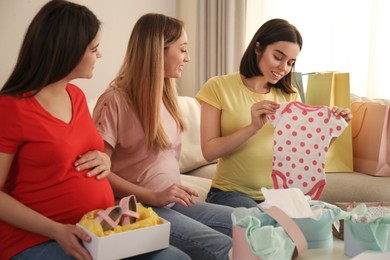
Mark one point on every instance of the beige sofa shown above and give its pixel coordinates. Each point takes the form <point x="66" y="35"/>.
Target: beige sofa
<point x="340" y="187"/>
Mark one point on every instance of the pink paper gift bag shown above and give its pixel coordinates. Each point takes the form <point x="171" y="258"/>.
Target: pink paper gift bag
<point x="371" y="138"/>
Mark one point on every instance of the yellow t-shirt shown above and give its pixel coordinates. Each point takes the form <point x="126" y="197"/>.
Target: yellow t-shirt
<point x="249" y="167"/>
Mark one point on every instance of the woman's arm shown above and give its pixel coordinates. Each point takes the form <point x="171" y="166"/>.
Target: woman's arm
<point x="174" y="194"/>
<point x="18" y="215"/>
<point x="213" y="144"/>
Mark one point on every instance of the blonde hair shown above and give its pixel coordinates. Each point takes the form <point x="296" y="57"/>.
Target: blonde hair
<point x="141" y="76"/>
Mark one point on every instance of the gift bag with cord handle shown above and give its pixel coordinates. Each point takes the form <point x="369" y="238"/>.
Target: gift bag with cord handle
<point x="332" y="89"/>
<point x="371" y="138"/>
<point x="297" y="83"/>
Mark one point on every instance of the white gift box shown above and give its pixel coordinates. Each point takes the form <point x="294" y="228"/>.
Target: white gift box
<point x="129" y="243"/>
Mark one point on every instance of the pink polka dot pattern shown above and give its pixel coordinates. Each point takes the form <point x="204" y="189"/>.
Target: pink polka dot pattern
<point x="301" y="142"/>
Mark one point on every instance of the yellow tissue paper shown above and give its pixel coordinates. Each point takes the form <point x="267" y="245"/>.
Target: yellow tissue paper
<point x="147" y="218"/>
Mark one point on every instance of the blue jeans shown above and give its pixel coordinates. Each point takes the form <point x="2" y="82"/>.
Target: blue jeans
<point x="203" y="231"/>
<point x="52" y="250"/>
<point x="230" y="198"/>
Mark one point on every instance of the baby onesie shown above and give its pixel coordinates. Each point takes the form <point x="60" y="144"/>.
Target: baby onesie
<point x="301" y="141"/>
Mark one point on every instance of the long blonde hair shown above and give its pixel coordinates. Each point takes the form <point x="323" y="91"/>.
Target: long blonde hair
<point x="141" y="77"/>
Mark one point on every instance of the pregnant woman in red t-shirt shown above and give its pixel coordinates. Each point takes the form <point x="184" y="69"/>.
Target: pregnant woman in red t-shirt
<point x="52" y="167"/>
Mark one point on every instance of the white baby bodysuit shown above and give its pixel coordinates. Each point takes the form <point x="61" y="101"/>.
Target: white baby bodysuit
<point x="301" y="141"/>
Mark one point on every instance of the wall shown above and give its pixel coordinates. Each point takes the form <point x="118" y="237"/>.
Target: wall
<point x="188" y="11"/>
<point x="117" y="17"/>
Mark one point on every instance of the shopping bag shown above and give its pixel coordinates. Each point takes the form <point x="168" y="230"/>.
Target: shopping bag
<point x="297" y="83"/>
<point x="371" y="138"/>
<point x="332" y="89"/>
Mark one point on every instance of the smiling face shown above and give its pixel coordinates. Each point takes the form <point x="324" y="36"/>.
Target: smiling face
<point x="85" y="67"/>
<point x="175" y="56"/>
<point x="277" y="60"/>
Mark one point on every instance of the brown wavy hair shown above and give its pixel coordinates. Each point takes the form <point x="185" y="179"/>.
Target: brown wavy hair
<point x="141" y="76"/>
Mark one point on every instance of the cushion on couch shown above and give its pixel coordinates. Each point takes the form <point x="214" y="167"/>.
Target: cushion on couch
<point x="191" y="154"/>
<point x="356" y="98"/>
<point x="200" y="185"/>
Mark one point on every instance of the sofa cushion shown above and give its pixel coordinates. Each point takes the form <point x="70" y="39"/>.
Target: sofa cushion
<point x="91" y="104"/>
<point x="356" y="98"/>
<point x="191" y="156"/>
<point x="340" y="187"/>
<point x="358" y="187"/>
<point x="200" y="185"/>
<point x="205" y="171"/>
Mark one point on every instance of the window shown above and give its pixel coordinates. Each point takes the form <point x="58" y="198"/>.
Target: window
<point x="346" y="36"/>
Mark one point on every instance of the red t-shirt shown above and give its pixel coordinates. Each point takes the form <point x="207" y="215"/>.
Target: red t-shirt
<point x="42" y="174"/>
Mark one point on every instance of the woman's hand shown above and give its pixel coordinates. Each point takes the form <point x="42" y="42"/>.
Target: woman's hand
<point x="99" y="162"/>
<point x="68" y="236"/>
<point x="259" y="112"/>
<point x="176" y="193"/>
<point x="343" y="112"/>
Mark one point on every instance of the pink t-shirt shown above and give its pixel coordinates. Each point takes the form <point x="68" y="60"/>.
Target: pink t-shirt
<point x="301" y="141"/>
<point x="131" y="159"/>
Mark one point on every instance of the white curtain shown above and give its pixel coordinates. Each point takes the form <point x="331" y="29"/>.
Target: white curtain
<point x="216" y="40"/>
<point x="346" y="36"/>
<point x="221" y="36"/>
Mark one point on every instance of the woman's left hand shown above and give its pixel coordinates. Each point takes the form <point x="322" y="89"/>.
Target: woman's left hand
<point x="343" y="112"/>
<point x="98" y="161"/>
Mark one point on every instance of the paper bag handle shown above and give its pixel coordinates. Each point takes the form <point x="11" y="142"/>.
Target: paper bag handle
<point x="290" y="227"/>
